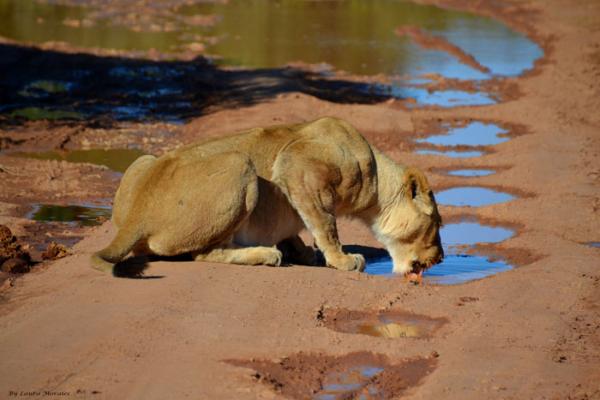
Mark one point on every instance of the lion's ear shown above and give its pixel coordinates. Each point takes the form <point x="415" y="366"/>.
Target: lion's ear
<point x="418" y="191"/>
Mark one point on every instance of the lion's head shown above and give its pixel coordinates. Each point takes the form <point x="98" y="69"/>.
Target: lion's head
<point x="409" y="225"/>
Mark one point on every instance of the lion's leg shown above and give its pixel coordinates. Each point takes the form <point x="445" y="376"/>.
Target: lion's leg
<point x="322" y="225"/>
<point x="258" y="255"/>
<point x="308" y="182"/>
<point x="297" y="252"/>
<point x="201" y="205"/>
<point x="315" y="204"/>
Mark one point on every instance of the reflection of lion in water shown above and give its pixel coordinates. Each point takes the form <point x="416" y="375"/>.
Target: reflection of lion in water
<point x="232" y="199"/>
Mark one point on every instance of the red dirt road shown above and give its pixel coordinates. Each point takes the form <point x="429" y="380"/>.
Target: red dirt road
<point x="530" y="333"/>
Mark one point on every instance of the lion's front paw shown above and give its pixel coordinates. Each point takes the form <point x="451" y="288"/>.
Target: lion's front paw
<point x="273" y="257"/>
<point x="348" y="262"/>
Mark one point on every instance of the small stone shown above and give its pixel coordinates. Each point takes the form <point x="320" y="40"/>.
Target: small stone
<point x="9" y="250"/>
<point x="55" y="251"/>
<point x="16" y="265"/>
<point x="6" y="235"/>
<point x="560" y="359"/>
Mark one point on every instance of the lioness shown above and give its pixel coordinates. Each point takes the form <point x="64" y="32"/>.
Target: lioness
<point x="232" y="199"/>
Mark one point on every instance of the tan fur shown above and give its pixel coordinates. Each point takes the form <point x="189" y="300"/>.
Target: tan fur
<point x="232" y="199"/>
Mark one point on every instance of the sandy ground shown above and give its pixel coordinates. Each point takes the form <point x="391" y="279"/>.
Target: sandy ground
<point x="199" y="330"/>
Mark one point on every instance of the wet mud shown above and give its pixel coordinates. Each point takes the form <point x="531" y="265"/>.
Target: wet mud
<point x="353" y="376"/>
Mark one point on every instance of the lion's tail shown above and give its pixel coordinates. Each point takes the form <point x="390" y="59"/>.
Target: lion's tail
<point x="121" y="245"/>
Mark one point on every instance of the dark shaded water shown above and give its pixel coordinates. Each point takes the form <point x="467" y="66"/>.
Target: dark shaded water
<point x="76" y="214"/>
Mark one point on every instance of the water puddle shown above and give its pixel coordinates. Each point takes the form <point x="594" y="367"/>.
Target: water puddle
<point x="451" y="153"/>
<point x="471" y="196"/>
<point x="82" y="215"/>
<point x="471" y="172"/>
<point x="387" y="324"/>
<point x="338" y="385"/>
<point x="367" y="48"/>
<point x="427" y="97"/>
<point x="116" y="159"/>
<point x="461" y="268"/>
<point x="363" y="40"/>
<point x="457" y="267"/>
<point x="471" y="232"/>
<point x="593" y="244"/>
<point x="360" y="375"/>
<point x="473" y="134"/>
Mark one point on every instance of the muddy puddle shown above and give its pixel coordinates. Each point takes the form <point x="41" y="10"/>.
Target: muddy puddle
<point x="116" y="159"/>
<point x="400" y="39"/>
<point x="78" y="215"/>
<point x="458" y="266"/>
<point x="386" y="324"/>
<point x="471" y="196"/>
<point x="593" y="244"/>
<point x="353" y="376"/>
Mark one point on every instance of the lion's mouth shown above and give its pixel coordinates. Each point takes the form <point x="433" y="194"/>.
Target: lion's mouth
<point x="418" y="267"/>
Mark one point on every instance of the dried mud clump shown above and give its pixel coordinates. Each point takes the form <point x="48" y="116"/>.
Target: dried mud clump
<point x="14" y="258"/>
<point x="352" y="376"/>
<point x="54" y="251"/>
